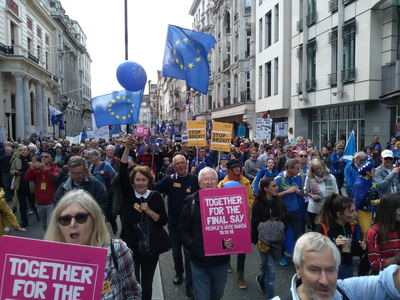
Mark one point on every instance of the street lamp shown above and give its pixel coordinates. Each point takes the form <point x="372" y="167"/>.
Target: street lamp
<point x="8" y="124"/>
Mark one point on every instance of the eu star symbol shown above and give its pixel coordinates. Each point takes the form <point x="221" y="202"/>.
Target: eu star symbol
<point x="177" y="61"/>
<point x="177" y="42"/>
<point x="185" y="39"/>
<point x="198" y="59"/>
<point x="113" y="100"/>
<point x="118" y="97"/>
<point x="117" y="116"/>
<point x="123" y="118"/>
<point x="190" y="65"/>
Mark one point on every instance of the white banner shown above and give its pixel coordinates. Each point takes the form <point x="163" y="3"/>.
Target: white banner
<point x="100" y="133"/>
<point x="281" y="129"/>
<point x="263" y="130"/>
<point x="74" y="139"/>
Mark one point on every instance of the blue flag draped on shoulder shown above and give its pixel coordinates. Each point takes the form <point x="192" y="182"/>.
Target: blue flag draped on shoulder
<point x="117" y="108"/>
<point x="350" y="149"/>
<point x="185" y="57"/>
<point x="56" y="117"/>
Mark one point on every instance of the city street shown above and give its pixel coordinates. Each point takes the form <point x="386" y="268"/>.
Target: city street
<point x="163" y="288"/>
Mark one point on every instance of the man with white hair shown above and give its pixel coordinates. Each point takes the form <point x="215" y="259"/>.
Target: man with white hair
<point x="351" y="171"/>
<point x="317" y="261"/>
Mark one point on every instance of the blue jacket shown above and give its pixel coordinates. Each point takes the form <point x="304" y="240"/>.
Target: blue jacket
<point x="284" y="183"/>
<point x="351" y="175"/>
<point x="356" y="288"/>
<point x="337" y="167"/>
<point x="261" y="174"/>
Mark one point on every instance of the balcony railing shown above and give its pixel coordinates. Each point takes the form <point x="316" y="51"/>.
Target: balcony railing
<point x="299" y="88"/>
<point x="299" y="25"/>
<point x="226" y="63"/>
<point x="33" y="58"/>
<point x="311" y="84"/>
<point x="349" y="75"/>
<point x="245" y="96"/>
<point x="228" y="30"/>
<point x="9" y="50"/>
<point x="235" y="100"/>
<point x="227" y="101"/>
<point x="213" y="105"/>
<point x="333" y="5"/>
<point x="247" y="10"/>
<point x="312" y="18"/>
<point x="332" y="79"/>
<point x="236" y="58"/>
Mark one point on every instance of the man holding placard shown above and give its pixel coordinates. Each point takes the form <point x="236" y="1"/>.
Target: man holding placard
<point x="209" y="274"/>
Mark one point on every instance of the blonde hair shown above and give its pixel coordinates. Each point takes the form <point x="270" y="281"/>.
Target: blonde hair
<point x="315" y="162"/>
<point x="99" y="237"/>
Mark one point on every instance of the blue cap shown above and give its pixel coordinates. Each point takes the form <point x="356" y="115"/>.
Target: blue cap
<point x="378" y="147"/>
<point x="224" y="156"/>
<point x="365" y="167"/>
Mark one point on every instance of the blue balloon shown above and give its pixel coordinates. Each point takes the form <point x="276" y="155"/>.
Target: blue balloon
<point x="131" y="76"/>
<point x="230" y="184"/>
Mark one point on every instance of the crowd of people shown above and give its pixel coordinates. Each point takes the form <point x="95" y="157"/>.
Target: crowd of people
<point x="355" y="205"/>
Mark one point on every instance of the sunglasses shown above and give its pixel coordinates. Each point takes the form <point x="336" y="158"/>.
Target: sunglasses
<point x="42" y="157"/>
<point x="303" y="155"/>
<point x="223" y="159"/>
<point x="80" y="218"/>
<point x="388" y="158"/>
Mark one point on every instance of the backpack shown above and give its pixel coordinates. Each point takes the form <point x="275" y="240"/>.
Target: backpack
<point x="352" y="224"/>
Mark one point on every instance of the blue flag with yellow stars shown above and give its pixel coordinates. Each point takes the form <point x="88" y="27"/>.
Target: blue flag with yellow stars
<point x="185" y="57"/>
<point x="117" y="108"/>
<point x="56" y="117"/>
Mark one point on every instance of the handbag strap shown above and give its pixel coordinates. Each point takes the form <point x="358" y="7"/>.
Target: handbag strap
<point x="114" y="256"/>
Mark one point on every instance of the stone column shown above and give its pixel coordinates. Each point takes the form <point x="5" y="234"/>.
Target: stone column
<point x="45" y="108"/>
<point x="39" y="106"/>
<point x="19" y="107"/>
<point x="27" y="107"/>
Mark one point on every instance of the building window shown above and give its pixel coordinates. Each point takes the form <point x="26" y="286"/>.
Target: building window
<point x="29" y="24"/>
<point x="260" y="73"/>
<point x="48" y="112"/>
<point x="312" y="12"/>
<point x="311" y="65"/>
<point x="12" y="33"/>
<point x="248" y="37"/>
<point x="349" y="51"/>
<point x="300" y="57"/>
<point x="268" y="29"/>
<point x="39" y="32"/>
<point x="276" y="22"/>
<point x="260" y="34"/>
<point x="268" y="79"/>
<point x="29" y="45"/>
<point x="47" y="40"/>
<point x="209" y="99"/>
<point x="247" y="8"/>
<point x="38" y="52"/>
<point x="276" y="76"/>
<point x="33" y="109"/>
<point x="13" y="101"/>
<point x="228" y="24"/>
<point x="248" y="81"/>
<point x="332" y="38"/>
<point x="47" y="60"/>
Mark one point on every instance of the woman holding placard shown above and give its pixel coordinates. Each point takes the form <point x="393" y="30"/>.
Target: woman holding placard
<point x="77" y="219"/>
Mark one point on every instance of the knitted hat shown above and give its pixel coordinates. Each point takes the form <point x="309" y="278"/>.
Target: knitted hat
<point x="365" y="167"/>
<point x="378" y="147"/>
<point x="224" y="156"/>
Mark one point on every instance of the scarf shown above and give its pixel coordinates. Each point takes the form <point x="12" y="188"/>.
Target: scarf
<point x="314" y="187"/>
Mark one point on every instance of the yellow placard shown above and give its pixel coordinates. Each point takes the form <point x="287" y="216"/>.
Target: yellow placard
<point x="197" y="133"/>
<point x="221" y="136"/>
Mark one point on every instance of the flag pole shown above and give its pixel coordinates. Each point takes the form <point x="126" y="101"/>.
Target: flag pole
<point x="126" y="44"/>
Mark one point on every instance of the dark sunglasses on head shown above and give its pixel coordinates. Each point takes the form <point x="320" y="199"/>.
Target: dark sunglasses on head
<point x="388" y="158"/>
<point x="80" y="218"/>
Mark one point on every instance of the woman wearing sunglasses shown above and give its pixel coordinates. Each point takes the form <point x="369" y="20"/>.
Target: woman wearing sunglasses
<point x="77" y="219"/>
<point x="387" y="175"/>
<point x="221" y="169"/>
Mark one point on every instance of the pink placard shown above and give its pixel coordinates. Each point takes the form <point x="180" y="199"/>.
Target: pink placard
<point x="224" y="215"/>
<point x="35" y="269"/>
<point x="139" y="130"/>
<point x="146" y="131"/>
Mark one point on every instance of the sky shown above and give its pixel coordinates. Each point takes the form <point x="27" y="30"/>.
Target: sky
<point x="102" y="21"/>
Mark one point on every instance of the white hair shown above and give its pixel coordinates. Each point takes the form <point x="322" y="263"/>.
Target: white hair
<point x="314" y="242"/>
<point x="205" y="170"/>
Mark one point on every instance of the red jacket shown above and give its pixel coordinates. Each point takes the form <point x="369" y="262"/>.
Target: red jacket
<point x="45" y="183"/>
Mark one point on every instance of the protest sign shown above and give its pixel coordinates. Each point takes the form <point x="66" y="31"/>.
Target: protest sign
<point x="221" y="137"/>
<point x="197" y="133"/>
<point x="35" y="269"/>
<point x="241" y="131"/>
<point x="74" y="139"/>
<point x="184" y="138"/>
<point x="263" y="129"/>
<point x="90" y="134"/>
<point x="178" y="138"/>
<point x="139" y="130"/>
<point x="281" y="129"/>
<point x="146" y="131"/>
<point x="224" y="215"/>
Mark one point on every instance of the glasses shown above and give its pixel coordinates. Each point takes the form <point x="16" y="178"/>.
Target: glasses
<point x="210" y="180"/>
<point x="42" y="157"/>
<point x="80" y="218"/>
<point x="223" y="159"/>
<point x="180" y="163"/>
<point x="388" y="158"/>
<point x="340" y="148"/>
<point x="77" y="174"/>
<point x="303" y="155"/>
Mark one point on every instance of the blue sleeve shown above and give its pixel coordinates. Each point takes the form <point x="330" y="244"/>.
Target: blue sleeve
<point x="376" y="287"/>
<point x="347" y="175"/>
<point x="260" y="175"/>
<point x="278" y="180"/>
<point x="193" y="162"/>
<point x="162" y="185"/>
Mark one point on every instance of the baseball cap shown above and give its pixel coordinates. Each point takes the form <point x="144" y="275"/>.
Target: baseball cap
<point x="58" y="145"/>
<point x="387" y="153"/>
<point x="232" y="163"/>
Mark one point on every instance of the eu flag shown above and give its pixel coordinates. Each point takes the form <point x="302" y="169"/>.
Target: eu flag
<point x="117" y="108"/>
<point x="163" y="127"/>
<point x="185" y="57"/>
<point x="56" y="117"/>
